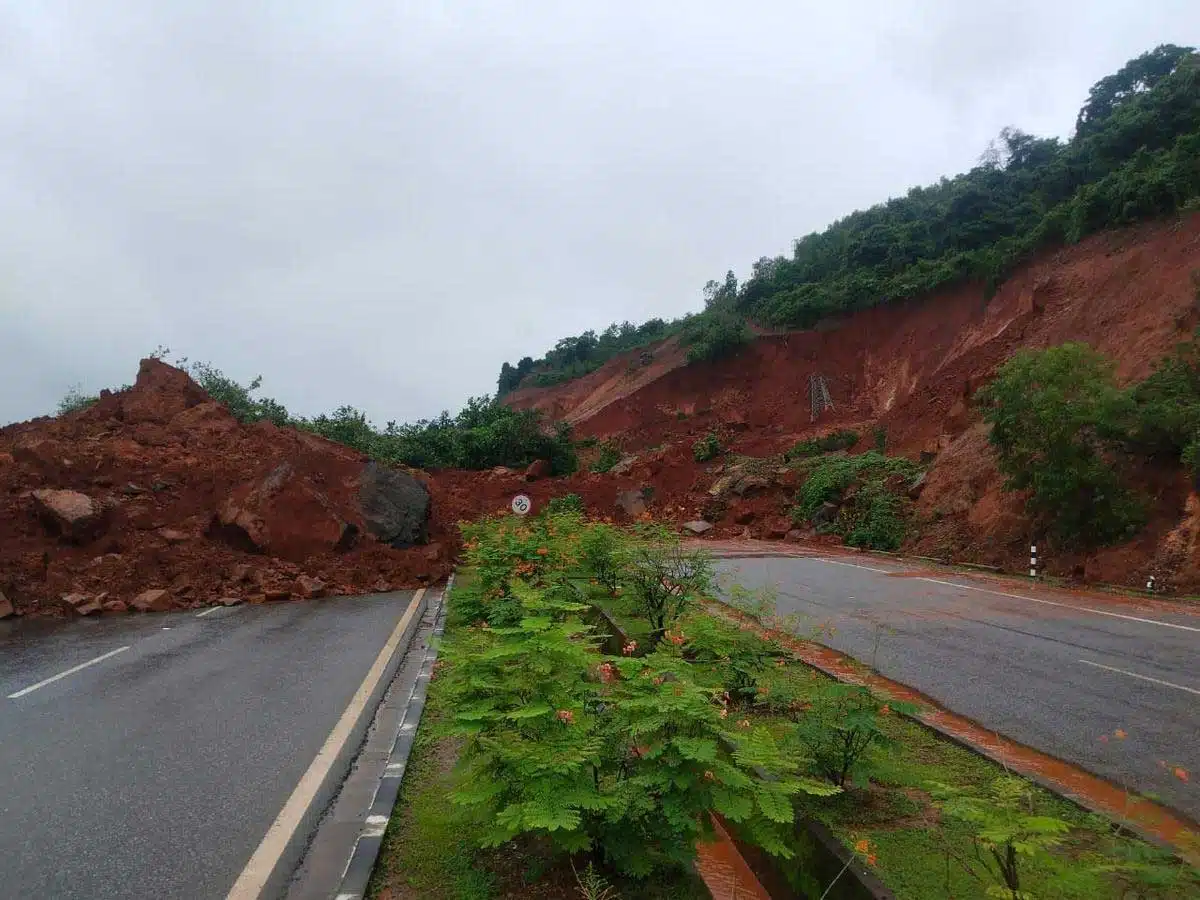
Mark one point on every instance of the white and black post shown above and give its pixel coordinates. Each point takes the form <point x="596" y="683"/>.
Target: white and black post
<point x="1150" y="584"/>
<point x="1033" y="560"/>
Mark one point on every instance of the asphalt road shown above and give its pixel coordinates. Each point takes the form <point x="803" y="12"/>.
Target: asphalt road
<point x="1051" y="670"/>
<point x="157" y="770"/>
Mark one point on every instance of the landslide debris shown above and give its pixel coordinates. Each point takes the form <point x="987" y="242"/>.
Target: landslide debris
<point x="156" y="498"/>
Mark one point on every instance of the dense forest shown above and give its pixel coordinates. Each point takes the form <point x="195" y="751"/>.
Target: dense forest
<point x="1135" y="154"/>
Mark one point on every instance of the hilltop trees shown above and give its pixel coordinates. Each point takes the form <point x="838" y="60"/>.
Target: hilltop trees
<point x="1134" y="155"/>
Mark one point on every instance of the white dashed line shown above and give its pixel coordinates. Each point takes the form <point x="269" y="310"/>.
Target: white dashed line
<point x="70" y="671"/>
<point x="208" y="612"/>
<point x="1087" y="609"/>
<point x="837" y="562"/>
<point x="1178" y="687"/>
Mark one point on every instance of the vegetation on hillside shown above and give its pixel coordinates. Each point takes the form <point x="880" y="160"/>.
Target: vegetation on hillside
<point x="1064" y="432"/>
<point x="1135" y="155"/>
<point x="484" y="434"/>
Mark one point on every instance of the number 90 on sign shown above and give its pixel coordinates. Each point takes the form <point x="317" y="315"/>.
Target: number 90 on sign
<point x="521" y="505"/>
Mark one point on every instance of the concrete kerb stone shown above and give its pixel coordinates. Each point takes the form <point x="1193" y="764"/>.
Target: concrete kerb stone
<point x="370" y="840"/>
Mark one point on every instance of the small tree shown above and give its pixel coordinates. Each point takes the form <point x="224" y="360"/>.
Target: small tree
<point x="1058" y="421"/>
<point x="665" y="580"/>
<point x="708" y="447"/>
<point x="1006" y="831"/>
<point x="75" y="400"/>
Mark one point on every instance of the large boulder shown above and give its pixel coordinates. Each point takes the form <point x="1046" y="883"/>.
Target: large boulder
<point x="395" y="506"/>
<point x="70" y="514"/>
<point x="153" y="600"/>
<point x="284" y="515"/>
<point x="632" y="503"/>
<point x="160" y="393"/>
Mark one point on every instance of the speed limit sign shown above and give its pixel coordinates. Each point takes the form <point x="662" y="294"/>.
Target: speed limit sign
<point x="521" y="505"/>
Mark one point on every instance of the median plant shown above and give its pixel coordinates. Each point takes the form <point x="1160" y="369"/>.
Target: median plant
<point x="1007" y="833"/>
<point x="840" y="728"/>
<point x="664" y="579"/>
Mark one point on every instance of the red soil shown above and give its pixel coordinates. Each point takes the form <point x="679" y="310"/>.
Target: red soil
<point x="161" y="458"/>
<point x="912" y="368"/>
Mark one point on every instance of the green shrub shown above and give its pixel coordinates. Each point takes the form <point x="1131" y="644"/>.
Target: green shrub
<point x="1168" y="406"/>
<point x="1058" y="425"/>
<point x="708" y="447"/>
<point x="877" y="512"/>
<point x="715" y="334"/>
<point x="602" y="552"/>
<point x="238" y="399"/>
<point x="75" y="400"/>
<point x="826" y="443"/>
<point x="664" y="580"/>
<point x="841" y="728"/>
<point x="744" y="660"/>
<point x="568" y="503"/>
<point x="610" y="455"/>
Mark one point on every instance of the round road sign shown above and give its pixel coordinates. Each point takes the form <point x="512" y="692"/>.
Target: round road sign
<point x="521" y="505"/>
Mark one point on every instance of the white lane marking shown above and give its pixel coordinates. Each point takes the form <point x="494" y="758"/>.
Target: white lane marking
<point x="1087" y="609"/>
<point x="253" y="879"/>
<point x="836" y="562"/>
<point x="1178" y="687"/>
<point x="70" y="671"/>
<point x="208" y="612"/>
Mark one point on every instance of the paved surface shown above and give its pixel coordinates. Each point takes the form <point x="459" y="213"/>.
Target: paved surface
<point x="1055" y="674"/>
<point x="156" y="771"/>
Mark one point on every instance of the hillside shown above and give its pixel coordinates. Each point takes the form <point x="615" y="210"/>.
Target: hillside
<point x="912" y="369"/>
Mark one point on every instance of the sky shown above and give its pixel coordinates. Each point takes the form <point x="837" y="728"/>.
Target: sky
<point x="378" y="203"/>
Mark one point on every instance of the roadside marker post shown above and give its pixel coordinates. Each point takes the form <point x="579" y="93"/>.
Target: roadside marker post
<point x="1033" y="560"/>
<point x="1150" y="584"/>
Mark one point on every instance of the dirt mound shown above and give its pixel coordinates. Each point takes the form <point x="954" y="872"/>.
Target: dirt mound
<point x="911" y="369"/>
<point x="159" y="488"/>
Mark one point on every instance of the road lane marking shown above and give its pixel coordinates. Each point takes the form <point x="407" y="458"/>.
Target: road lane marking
<point x="1088" y="609"/>
<point x="70" y="671"/>
<point x="208" y="612"/>
<point x="254" y="877"/>
<point x="837" y="562"/>
<point x="1170" y="684"/>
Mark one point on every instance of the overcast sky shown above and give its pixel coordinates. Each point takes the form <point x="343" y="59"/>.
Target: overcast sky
<point x="377" y="203"/>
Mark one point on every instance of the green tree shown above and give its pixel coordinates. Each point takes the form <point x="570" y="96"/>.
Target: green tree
<point x="1058" y="423"/>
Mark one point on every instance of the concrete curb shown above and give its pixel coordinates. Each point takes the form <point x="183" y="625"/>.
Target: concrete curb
<point x="370" y="839"/>
<point x="276" y="882"/>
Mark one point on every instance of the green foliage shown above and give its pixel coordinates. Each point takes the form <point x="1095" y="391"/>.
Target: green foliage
<point x="826" y="443"/>
<point x="875" y="513"/>
<point x="567" y="503"/>
<point x="238" y="399"/>
<point x="74" y="401"/>
<point x="841" y="728"/>
<point x="483" y="435"/>
<point x="602" y="550"/>
<point x="1006" y="829"/>
<point x="745" y="661"/>
<point x="879" y="437"/>
<point x="714" y="334"/>
<point x="1058" y="421"/>
<point x="609" y="456"/>
<point x="708" y="447"/>
<point x="629" y="764"/>
<point x="1134" y="156"/>
<point x="1168" y="406"/>
<point x="574" y="357"/>
<point x="665" y="580"/>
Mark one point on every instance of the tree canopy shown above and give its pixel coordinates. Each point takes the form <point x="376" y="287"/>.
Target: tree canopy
<point x="1135" y="155"/>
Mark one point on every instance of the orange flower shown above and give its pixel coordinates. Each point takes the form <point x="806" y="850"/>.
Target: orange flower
<point x="542" y="551"/>
<point x="745" y="723"/>
<point x="871" y="859"/>
<point x="1119" y="734"/>
<point x="566" y="716"/>
<point x="862" y="846"/>
<point x="1181" y="773"/>
<point x="884" y="710"/>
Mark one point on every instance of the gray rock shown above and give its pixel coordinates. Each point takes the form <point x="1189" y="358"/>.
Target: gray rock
<point x="395" y="506"/>
<point x="632" y="503"/>
<point x="918" y="485"/>
<point x="698" y="527"/>
<point x="826" y="514"/>
<point x="624" y="467"/>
